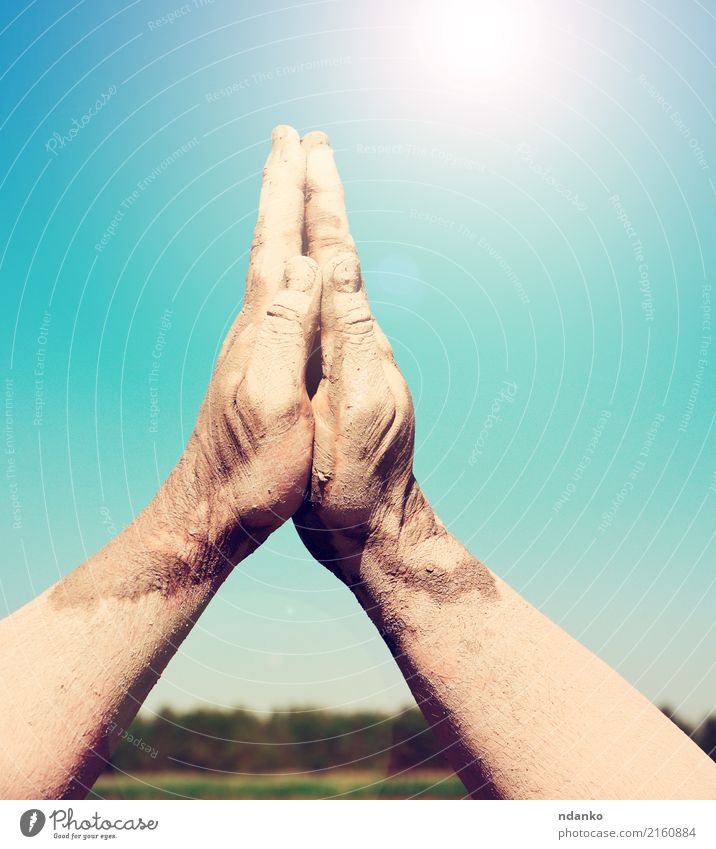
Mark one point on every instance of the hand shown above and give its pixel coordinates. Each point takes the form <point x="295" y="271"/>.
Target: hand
<point x="247" y="464"/>
<point x="362" y="484"/>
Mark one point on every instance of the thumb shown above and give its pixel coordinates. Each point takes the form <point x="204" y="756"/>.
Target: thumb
<point x="287" y="333"/>
<point x="351" y="350"/>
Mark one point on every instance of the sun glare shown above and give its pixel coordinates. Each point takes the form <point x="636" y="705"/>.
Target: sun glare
<point x="494" y="40"/>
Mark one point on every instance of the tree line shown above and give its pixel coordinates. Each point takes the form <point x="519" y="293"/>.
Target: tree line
<point x="297" y="740"/>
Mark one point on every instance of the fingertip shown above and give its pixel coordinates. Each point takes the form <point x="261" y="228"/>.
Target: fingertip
<point x="282" y="133"/>
<point x="315" y="139"/>
<point x="344" y="273"/>
<point x="301" y="274"/>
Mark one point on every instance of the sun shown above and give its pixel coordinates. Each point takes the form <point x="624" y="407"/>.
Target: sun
<point x="494" y="41"/>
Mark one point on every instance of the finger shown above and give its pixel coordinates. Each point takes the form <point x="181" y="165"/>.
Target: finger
<point x="279" y="230"/>
<point x="285" y="338"/>
<point x="329" y="240"/>
<point x="352" y="359"/>
<point x="327" y="230"/>
<point x="326" y="224"/>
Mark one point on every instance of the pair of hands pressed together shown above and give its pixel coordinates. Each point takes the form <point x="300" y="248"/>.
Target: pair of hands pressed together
<point x="521" y="709"/>
<point x="340" y="462"/>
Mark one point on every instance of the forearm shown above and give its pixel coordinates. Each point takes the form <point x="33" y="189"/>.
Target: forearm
<point x="522" y="709"/>
<point x="81" y="658"/>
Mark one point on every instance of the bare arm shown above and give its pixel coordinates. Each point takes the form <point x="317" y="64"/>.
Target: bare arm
<point x="80" y="659"/>
<point x="523" y="710"/>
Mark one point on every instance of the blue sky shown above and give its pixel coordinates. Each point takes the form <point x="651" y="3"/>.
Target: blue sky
<point x="537" y="243"/>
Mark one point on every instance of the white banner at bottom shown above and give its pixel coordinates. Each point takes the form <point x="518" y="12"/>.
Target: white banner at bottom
<point x="347" y="824"/>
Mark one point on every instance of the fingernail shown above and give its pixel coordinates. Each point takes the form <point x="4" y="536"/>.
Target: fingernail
<point x="300" y="274"/>
<point x="346" y="275"/>
<point x="281" y="133"/>
<point x="316" y="139"/>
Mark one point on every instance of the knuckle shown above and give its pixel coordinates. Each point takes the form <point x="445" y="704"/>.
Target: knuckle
<point x="264" y="412"/>
<point x="251" y="390"/>
<point x="284" y="316"/>
<point x="328" y="230"/>
<point x="356" y="320"/>
<point x="373" y="417"/>
<point x="223" y="389"/>
<point x="307" y="261"/>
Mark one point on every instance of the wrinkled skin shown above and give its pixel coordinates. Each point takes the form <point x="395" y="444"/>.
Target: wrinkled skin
<point x="520" y="709"/>
<point x="247" y="464"/>
<point x="254" y="451"/>
<point x="361" y="482"/>
<point x="98" y="639"/>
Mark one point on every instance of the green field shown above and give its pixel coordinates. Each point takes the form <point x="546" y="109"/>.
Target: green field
<point x="333" y="784"/>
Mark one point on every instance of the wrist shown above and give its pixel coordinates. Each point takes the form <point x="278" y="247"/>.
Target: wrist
<point x="413" y="552"/>
<point x="191" y="523"/>
<point x="189" y="545"/>
<point x="150" y="556"/>
<point x="168" y="550"/>
<point x="404" y="533"/>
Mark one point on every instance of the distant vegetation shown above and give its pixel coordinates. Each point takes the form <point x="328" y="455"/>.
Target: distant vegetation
<point x="297" y="742"/>
<point x="300" y="740"/>
<point x="704" y="734"/>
